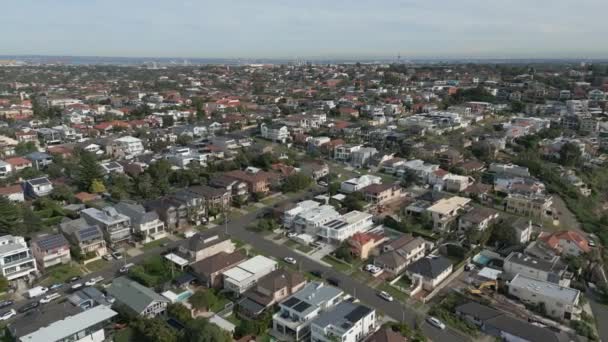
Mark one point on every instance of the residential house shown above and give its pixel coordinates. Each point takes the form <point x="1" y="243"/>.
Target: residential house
<point x="506" y="328"/>
<point x="116" y="227"/>
<point x="5" y="169"/>
<point x="565" y="242"/>
<point x="311" y="220"/>
<point x="16" y="259"/>
<point x="182" y="157"/>
<point x="363" y="244"/>
<point x="396" y="255"/>
<point x="347" y="322"/>
<point x="203" y="245"/>
<point x="430" y="271"/>
<point x="290" y="214"/>
<point x="89" y="325"/>
<point x="358" y="184"/>
<point x="208" y="271"/>
<point x="217" y="198"/>
<point x="137" y="298"/>
<point x="445" y="211"/>
<point x="89" y="238"/>
<point x="559" y="301"/>
<point x="269" y="290"/>
<point x="552" y="271"/>
<point x="392" y="165"/>
<point x="386" y="335"/>
<point x="293" y="320"/>
<point x="477" y="219"/>
<point x="18" y="163"/>
<point x="531" y="205"/>
<point x="146" y="224"/>
<point x="125" y="147"/>
<point x="449" y="158"/>
<point x="342" y="228"/>
<point x="522" y="228"/>
<point x="419" y="169"/>
<point x="344" y="152"/>
<point x="237" y="189"/>
<point x="275" y="132"/>
<point x="245" y="275"/>
<point x="38" y="187"/>
<point x="112" y="167"/>
<point x="51" y="250"/>
<point x="13" y="192"/>
<point x="257" y="182"/>
<point x="382" y="193"/>
<point x="173" y="212"/>
<point x="315" y="169"/>
<point x="40" y="160"/>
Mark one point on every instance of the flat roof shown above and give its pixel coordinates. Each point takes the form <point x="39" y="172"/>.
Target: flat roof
<point x="444" y="206"/>
<point x="244" y="270"/>
<point x="70" y="325"/>
<point x="547" y="289"/>
<point x="176" y="259"/>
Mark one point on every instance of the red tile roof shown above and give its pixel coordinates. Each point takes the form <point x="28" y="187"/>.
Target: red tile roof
<point x="552" y="240"/>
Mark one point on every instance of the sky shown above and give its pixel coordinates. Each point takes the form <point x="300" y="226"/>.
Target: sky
<point x="306" y="29"/>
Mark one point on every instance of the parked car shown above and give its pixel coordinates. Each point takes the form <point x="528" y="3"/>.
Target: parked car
<point x="290" y="260"/>
<point x="107" y="257"/>
<point x="435" y="322"/>
<point x="93" y="281"/>
<point x="7" y="314"/>
<point x="126" y="268"/>
<point x="77" y="286"/>
<point x="28" y="307"/>
<point x="369" y="267"/>
<point x="49" y="298"/>
<point x="56" y="286"/>
<point x="37" y="291"/>
<point x="591" y="243"/>
<point x="292" y="235"/>
<point x="333" y="281"/>
<point x="322" y="183"/>
<point x="6" y="303"/>
<point x="117" y="255"/>
<point x="385" y="296"/>
<point x="317" y="273"/>
<point x="74" y="279"/>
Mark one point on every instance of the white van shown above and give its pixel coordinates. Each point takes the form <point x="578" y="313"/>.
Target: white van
<point x="37" y="291"/>
<point x="126" y="267"/>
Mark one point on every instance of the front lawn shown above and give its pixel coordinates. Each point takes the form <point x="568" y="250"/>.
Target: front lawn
<point x="124" y="335"/>
<point x="97" y="265"/>
<point x="338" y="265"/>
<point x="398" y="295"/>
<point x="154" y="244"/>
<point x="61" y="273"/>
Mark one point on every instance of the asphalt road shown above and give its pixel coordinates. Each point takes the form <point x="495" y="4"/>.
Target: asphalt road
<point x="237" y="229"/>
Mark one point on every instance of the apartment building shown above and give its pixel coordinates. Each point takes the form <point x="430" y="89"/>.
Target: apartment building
<point x="340" y="229"/>
<point x="559" y="301"/>
<point x="381" y="193"/>
<point x="146" y="224"/>
<point x="116" y="227"/>
<point x="398" y="254"/>
<point x="310" y="221"/>
<point x="275" y="132"/>
<point x="346" y="322"/>
<point x="293" y="320"/>
<point x="445" y="211"/>
<point x="290" y="214"/>
<point x="246" y="274"/>
<point x="16" y="259"/>
<point x="552" y="271"/>
<point x="531" y="205"/>
<point x="126" y="147"/>
<point x="51" y="250"/>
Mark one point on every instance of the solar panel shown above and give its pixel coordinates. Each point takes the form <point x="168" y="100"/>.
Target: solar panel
<point x="301" y="306"/>
<point x="88" y="233"/>
<point x="51" y="242"/>
<point x="358" y="313"/>
<point x="291" y="302"/>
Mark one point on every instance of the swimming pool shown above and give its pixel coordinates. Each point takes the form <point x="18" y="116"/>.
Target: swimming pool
<point x="183" y="296"/>
<point x="481" y="259"/>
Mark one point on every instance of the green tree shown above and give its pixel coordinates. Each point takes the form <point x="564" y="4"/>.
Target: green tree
<point x="62" y="192"/>
<point x="184" y="140"/>
<point x="200" y="330"/>
<point x="3" y="284"/>
<point x="144" y="186"/>
<point x="24" y="148"/>
<point x="354" y="201"/>
<point x="343" y="252"/>
<point x="31" y="222"/>
<point x="153" y="330"/>
<point x="296" y="182"/>
<point x="97" y="187"/>
<point x="168" y="121"/>
<point x="203" y="300"/>
<point x="160" y="172"/>
<point x="569" y="155"/>
<point x="179" y="312"/>
<point x="88" y="171"/>
<point x="10" y="217"/>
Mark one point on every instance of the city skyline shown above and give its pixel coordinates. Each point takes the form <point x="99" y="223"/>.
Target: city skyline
<point x="277" y="30"/>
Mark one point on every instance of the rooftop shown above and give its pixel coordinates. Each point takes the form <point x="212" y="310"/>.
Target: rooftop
<point x="343" y="316"/>
<point x="547" y="289"/>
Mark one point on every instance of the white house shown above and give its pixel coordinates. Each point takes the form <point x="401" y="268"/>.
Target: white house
<point x="445" y="211"/>
<point x="357" y="184"/>
<point x="276" y="133"/>
<point x="338" y="230"/>
<point x="290" y="215"/>
<point x="309" y="221"/>
<point x="244" y="276"/>
<point x="126" y="147"/>
<point x="560" y="302"/>
<point x="346" y="322"/>
<point x="430" y="271"/>
<point x="16" y="258"/>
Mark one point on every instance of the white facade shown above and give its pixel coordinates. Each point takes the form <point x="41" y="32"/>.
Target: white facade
<point x="356" y="184"/>
<point x="16" y="258"/>
<point x="560" y="302"/>
<point x="5" y="169"/>
<point x="244" y="276"/>
<point x="275" y="133"/>
<point x="445" y="210"/>
<point x="343" y="228"/>
<point x="290" y="215"/>
<point x="310" y="220"/>
<point x="338" y="324"/>
<point x="128" y="146"/>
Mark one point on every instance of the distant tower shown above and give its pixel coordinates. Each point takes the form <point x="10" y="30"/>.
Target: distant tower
<point x="399" y="58"/>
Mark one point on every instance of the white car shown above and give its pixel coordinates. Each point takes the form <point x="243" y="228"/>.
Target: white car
<point x="290" y="260"/>
<point x="385" y="296"/>
<point x="77" y="286"/>
<point x="93" y="281"/>
<point x="369" y="267"/>
<point x="49" y="298"/>
<point x="323" y="184"/>
<point x="591" y="243"/>
<point x="7" y="314"/>
<point x="292" y="235"/>
<point x="376" y="270"/>
<point x="435" y="322"/>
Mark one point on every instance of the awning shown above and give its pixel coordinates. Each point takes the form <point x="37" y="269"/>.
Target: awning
<point x="176" y="259"/>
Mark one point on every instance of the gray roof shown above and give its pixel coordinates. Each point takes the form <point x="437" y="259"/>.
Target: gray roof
<point x="51" y="242"/>
<point x="203" y="240"/>
<point x="343" y="315"/>
<point x="39" y="181"/>
<point x="310" y="297"/>
<point x="430" y="267"/>
<point x="134" y="295"/>
<point x="555" y="291"/>
<point x="136" y="212"/>
<point x="38" y="156"/>
<point x="41" y="317"/>
<point x="81" y="230"/>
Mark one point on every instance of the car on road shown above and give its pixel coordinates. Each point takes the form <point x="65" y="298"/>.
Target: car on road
<point x="591" y="243"/>
<point x="107" y="257"/>
<point x="93" y="281"/>
<point x="7" y="314"/>
<point x="385" y="296"/>
<point x="76" y="286"/>
<point x="290" y="260"/>
<point x="323" y="184"/>
<point x="317" y="273"/>
<point x="435" y="322"/>
<point x="6" y="303"/>
<point x="292" y="235"/>
<point x="28" y="307"/>
<point x="37" y="291"/>
<point x="126" y="268"/>
<point x="333" y="281"/>
<point x="49" y="298"/>
<point x="56" y="286"/>
<point x="74" y="279"/>
<point x="117" y="255"/>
